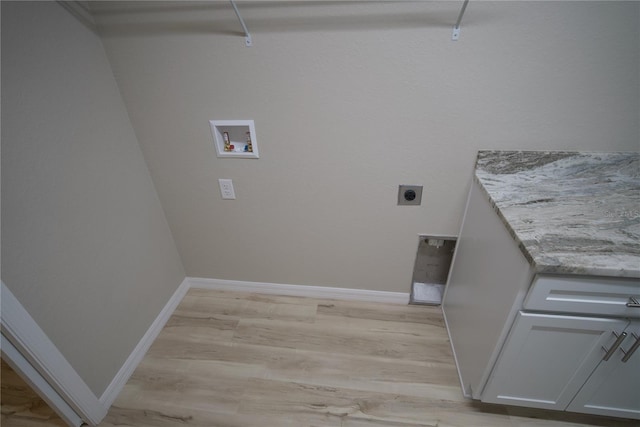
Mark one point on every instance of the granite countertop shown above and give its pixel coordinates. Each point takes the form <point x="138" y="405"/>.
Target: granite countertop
<point x="570" y="212"/>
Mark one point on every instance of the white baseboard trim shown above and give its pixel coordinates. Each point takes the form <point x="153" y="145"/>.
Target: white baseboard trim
<point x="22" y="331"/>
<point x="117" y="384"/>
<point x="300" y="290"/>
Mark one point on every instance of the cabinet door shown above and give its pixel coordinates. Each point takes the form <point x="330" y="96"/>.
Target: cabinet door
<point x="614" y="387"/>
<point x="547" y="358"/>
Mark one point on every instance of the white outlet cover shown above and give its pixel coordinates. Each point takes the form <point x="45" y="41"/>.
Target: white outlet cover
<point x="226" y="189"/>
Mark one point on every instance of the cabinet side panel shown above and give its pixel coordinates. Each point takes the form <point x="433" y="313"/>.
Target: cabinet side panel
<point x="488" y="276"/>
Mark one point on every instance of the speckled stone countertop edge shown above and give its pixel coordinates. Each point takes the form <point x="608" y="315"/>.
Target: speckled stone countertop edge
<point x="505" y="222"/>
<point x="549" y="268"/>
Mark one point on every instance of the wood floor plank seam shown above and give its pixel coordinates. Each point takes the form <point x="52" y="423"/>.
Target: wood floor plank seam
<point x="227" y="359"/>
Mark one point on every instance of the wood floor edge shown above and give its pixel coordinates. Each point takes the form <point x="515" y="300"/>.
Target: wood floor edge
<point x="300" y="290"/>
<point x="465" y="392"/>
<point x="34" y="349"/>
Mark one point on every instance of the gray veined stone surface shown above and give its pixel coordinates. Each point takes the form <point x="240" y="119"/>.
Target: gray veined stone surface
<point x="570" y="212"/>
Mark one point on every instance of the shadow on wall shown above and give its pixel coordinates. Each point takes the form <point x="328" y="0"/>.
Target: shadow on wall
<point x="155" y="18"/>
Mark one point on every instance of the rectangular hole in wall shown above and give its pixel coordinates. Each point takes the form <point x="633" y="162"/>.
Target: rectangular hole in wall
<point x="431" y="269"/>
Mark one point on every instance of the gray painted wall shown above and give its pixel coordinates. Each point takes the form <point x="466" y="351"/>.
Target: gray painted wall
<point x="85" y="244"/>
<point x="349" y="101"/>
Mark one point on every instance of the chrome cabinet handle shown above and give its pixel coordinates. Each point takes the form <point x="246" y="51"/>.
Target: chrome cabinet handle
<point x="633" y="302"/>
<point x="634" y="347"/>
<point x="614" y="347"/>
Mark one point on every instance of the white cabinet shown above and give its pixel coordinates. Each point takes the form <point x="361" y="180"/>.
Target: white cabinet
<point x="488" y="280"/>
<point x="583" y="362"/>
<point x="614" y="387"/>
<point x="548" y="358"/>
<point x="538" y="340"/>
<point x="595" y="296"/>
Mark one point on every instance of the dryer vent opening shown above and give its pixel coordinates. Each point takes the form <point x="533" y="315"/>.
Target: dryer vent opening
<point x="431" y="269"/>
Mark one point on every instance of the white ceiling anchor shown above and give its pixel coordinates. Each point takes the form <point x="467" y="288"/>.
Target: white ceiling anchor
<point x="456" y="29"/>
<point x="247" y="36"/>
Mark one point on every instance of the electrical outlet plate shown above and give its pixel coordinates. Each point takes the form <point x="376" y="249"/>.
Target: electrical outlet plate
<point x="410" y="195"/>
<point x="226" y="189"/>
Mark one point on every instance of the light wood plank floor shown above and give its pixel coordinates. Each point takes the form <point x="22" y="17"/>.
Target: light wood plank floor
<point x="241" y="360"/>
<point x="21" y="406"/>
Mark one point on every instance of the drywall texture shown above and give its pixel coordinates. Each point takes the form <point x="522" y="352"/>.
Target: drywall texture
<point x="351" y="99"/>
<point x="85" y="244"/>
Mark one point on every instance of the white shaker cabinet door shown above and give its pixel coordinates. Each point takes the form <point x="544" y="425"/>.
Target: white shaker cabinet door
<point x="614" y="387"/>
<point x="547" y="358"/>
